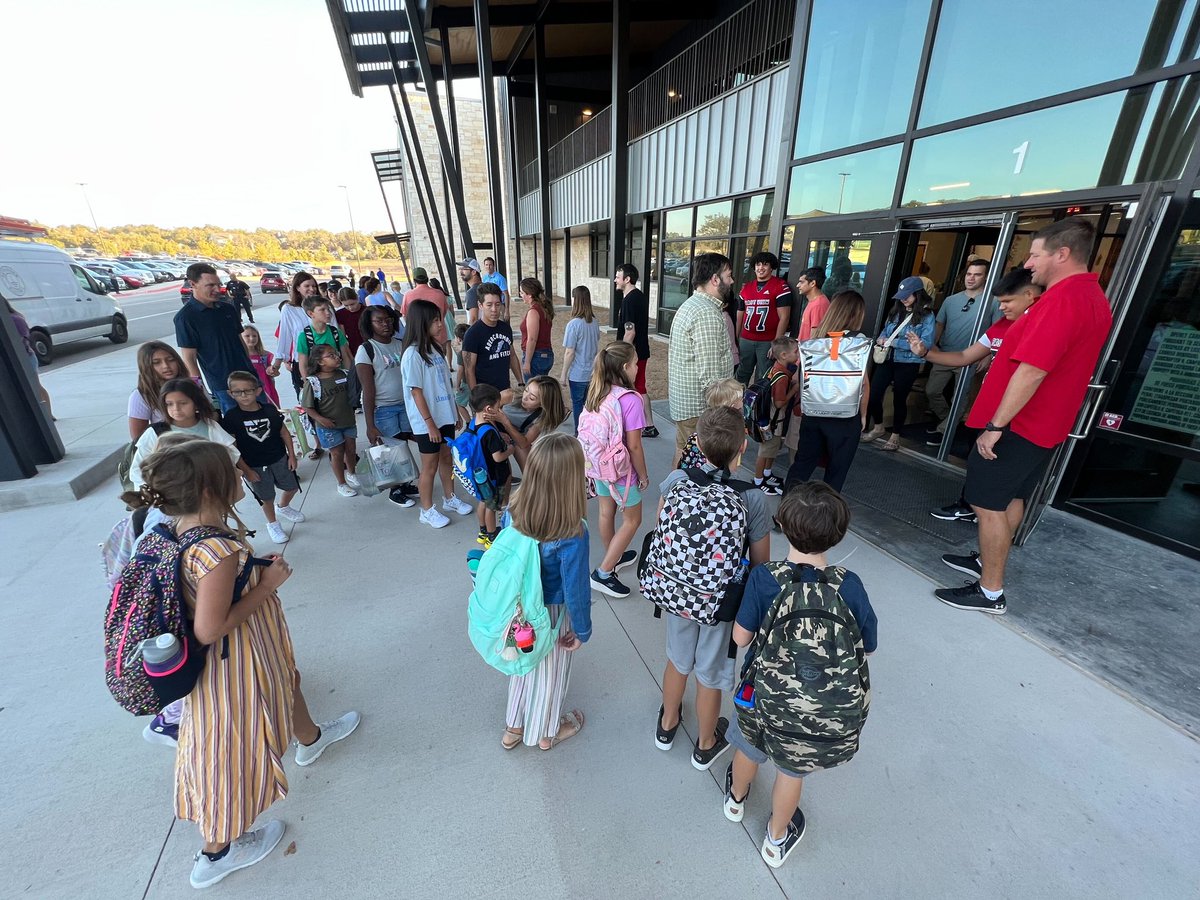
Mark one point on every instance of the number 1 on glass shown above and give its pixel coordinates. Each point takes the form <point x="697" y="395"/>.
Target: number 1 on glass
<point x="1019" y="152"/>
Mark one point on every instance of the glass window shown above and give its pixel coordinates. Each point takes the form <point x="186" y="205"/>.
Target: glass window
<point x="1154" y="133"/>
<point x="966" y="77"/>
<point x="599" y="256"/>
<point x="714" y="218"/>
<point x="785" y="252"/>
<point x="676" y="281"/>
<point x="844" y="262"/>
<point x="743" y="249"/>
<point x="85" y="282"/>
<point x="853" y="183"/>
<point x="860" y="72"/>
<point x="753" y="214"/>
<point x="1043" y="152"/>
<point x="679" y="222"/>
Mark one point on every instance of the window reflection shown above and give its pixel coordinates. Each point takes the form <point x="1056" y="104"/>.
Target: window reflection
<point x="853" y="183"/>
<point x="753" y="214"/>
<point x="1024" y="63"/>
<point x="860" y="72"/>
<point x="679" y="222"/>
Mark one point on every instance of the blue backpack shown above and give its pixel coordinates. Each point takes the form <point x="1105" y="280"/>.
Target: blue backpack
<point x="471" y="463"/>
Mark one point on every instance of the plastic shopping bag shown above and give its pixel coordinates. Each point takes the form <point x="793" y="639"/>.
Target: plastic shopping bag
<point x="391" y="464"/>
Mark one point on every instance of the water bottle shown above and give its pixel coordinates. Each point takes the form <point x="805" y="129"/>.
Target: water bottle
<point x="481" y="480"/>
<point x="162" y="654"/>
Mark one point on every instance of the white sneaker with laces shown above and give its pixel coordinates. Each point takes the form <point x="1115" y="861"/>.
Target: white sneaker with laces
<point x="433" y="518"/>
<point x="352" y="479"/>
<point x="346" y="491"/>
<point x="453" y="504"/>
<point x="331" y="733"/>
<point x="289" y="513"/>
<point x="278" y="535"/>
<point x="245" y="851"/>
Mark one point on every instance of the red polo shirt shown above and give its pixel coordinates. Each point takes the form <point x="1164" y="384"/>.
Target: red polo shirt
<point x="1062" y="334"/>
<point x="760" y="304"/>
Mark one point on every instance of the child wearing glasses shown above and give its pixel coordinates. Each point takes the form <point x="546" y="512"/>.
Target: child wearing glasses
<point x="265" y="444"/>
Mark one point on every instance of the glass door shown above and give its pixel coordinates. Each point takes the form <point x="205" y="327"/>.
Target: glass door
<point x="853" y="255"/>
<point x="1139" y="467"/>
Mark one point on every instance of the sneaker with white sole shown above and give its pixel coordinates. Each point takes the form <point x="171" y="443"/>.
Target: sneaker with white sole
<point x="610" y="585"/>
<point x="433" y="518"/>
<point x="401" y="498"/>
<point x="453" y="504"/>
<point x="290" y="513"/>
<point x="346" y="491"/>
<point x="352" y="480"/>
<point x="160" y="731"/>
<point x="702" y="759"/>
<point x="734" y="808"/>
<point x="628" y="558"/>
<point x="775" y="855"/>
<point x="331" y="733"/>
<point x="968" y="564"/>
<point x="253" y="846"/>
<point x="278" y="535"/>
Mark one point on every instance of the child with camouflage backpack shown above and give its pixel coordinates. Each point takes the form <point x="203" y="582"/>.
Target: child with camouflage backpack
<point x="805" y="687"/>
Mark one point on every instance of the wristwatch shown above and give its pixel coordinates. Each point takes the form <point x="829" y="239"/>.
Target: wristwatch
<point x="992" y="426"/>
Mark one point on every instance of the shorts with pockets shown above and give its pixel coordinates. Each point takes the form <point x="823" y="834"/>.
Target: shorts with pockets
<point x="684" y="429"/>
<point x="276" y="476"/>
<point x="392" y="421"/>
<point x="603" y="489"/>
<point x="769" y="449"/>
<point x="335" y="437"/>
<point x="1019" y="465"/>
<point x="703" y="649"/>
<point x="428" y="447"/>
<point x="738" y="742"/>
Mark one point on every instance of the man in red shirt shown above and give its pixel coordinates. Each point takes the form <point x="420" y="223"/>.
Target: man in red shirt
<point x="1030" y="400"/>
<point x="764" y="310"/>
<point x="816" y="304"/>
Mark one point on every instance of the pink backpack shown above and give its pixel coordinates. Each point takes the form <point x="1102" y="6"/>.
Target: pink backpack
<point x="602" y="434"/>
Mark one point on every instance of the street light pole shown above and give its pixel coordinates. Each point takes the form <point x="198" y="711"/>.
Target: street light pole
<point x="842" y="189"/>
<point x="83" y="187"/>
<point x="353" y="233"/>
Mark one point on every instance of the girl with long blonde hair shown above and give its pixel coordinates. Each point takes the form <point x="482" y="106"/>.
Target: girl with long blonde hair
<point x="550" y="506"/>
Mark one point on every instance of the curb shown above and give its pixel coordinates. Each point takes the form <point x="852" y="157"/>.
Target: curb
<point x="81" y="471"/>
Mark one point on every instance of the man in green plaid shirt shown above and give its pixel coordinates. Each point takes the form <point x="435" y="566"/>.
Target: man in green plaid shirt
<point x="701" y="348"/>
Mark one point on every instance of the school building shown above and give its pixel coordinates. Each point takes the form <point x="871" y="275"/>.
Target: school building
<point x="875" y="140"/>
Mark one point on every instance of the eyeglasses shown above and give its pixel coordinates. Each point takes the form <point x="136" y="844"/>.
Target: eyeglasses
<point x="249" y="392"/>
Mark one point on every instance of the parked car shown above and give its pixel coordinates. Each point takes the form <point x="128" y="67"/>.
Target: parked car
<point x="134" y="278"/>
<point x="61" y="301"/>
<point x="110" y="280"/>
<point x="156" y="274"/>
<point x="272" y="281"/>
<point x="339" y="271"/>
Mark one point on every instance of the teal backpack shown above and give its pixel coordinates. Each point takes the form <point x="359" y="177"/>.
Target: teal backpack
<point x="507" y="603"/>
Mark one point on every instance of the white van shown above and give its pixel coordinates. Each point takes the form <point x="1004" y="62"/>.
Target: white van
<point x="60" y="299"/>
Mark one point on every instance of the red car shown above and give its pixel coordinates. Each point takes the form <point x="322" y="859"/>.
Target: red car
<point x="272" y="281"/>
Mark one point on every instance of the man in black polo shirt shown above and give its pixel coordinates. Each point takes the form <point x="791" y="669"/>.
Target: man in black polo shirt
<point x="208" y="333"/>
<point x="239" y="296"/>
<point x="635" y="329"/>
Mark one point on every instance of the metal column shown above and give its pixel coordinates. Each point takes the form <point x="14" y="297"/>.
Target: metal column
<point x="542" y="112"/>
<point x="514" y="195"/>
<point x="452" y="114"/>
<point x="566" y="265"/>
<point x="421" y="52"/>
<point x="619" y="197"/>
<point x="491" y="137"/>
<point x="399" y="249"/>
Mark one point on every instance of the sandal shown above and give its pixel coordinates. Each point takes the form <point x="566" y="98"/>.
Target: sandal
<point x="891" y="445"/>
<point x="316" y="453"/>
<point x="568" y="726"/>
<point x="511" y="739"/>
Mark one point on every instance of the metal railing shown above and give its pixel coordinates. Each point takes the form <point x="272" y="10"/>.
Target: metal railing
<point x="588" y="142"/>
<point x="753" y="41"/>
<point x="527" y="178"/>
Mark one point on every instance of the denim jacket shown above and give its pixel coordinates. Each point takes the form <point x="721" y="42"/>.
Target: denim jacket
<point x="900" y="351"/>
<point x="566" y="577"/>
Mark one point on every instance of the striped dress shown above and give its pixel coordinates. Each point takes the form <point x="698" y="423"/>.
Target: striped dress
<point x="237" y="721"/>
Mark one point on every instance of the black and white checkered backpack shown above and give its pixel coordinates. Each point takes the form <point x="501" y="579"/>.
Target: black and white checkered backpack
<point x="694" y="562"/>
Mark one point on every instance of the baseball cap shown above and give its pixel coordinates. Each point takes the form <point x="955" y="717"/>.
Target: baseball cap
<point x="469" y="263"/>
<point x="420" y="276"/>
<point x="907" y="287"/>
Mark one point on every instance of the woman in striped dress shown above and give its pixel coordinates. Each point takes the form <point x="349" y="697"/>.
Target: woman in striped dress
<point x="246" y="707"/>
<point x="550" y="506"/>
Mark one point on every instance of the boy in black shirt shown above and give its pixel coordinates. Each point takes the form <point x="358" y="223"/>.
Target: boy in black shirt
<point x="486" y="399"/>
<point x="266" y="447"/>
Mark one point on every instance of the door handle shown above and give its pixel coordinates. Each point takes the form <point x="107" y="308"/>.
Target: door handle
<point x="1095" y="391"/>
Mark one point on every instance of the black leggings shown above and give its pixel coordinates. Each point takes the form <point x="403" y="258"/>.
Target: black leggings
<point x="901" y="377"/>
<point x="827" y="442"/>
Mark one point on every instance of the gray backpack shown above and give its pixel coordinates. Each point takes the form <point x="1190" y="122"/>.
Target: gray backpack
<point x="833" y="371"/>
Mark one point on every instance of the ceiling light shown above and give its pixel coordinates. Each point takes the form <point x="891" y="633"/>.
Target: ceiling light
<point x="672" y="93"/>
<point x="586" y="113"/>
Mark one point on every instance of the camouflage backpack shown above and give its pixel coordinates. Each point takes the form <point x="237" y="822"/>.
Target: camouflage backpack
<point x="812" y="688"/>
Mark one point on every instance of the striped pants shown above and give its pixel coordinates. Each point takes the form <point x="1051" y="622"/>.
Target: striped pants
<point x="535" y="700"/>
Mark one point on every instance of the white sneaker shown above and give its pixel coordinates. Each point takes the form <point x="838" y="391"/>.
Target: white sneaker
<point x="289" y="513"/>
<point x="346" y="491"/>
<point x="453" y="504"/>
<point x="278" y="535"/>
<point x="433" y="518"/>
<point x="331" y="733"/>
<point x="352" y="480"/>
<point x="251" y="847"/>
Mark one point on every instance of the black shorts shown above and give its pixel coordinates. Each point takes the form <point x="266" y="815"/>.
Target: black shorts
<point x="1012" y="475"/>
<point x="428" y="447"/>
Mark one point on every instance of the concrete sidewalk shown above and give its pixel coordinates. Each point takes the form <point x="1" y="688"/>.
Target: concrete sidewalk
<point x="989" y="767"/>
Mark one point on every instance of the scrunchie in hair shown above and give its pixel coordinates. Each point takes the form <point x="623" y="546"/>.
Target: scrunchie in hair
<point x="150" y="497"/>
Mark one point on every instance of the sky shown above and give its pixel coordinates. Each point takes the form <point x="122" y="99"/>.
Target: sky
<point x="235" y="113"/>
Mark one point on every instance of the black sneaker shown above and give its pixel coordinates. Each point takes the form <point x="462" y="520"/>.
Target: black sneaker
<point x="770" y="488"/>
<point x="971" y="596"/>
<point x="702" y="759"/>
<point x="409" y="488"/>
<point x="628" y="558"/>
<point x="968" y="565"/>
<point x="955" y="512"/>
<point x="610" y="585"/>
<point x="933" y="438"/>
<point x="774" y="855"/>
<point x="398" y="496"/>
<point x="664" y="738"/>
<point x="650" y="431"/>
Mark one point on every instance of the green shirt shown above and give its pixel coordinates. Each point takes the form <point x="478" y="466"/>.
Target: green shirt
<point x="701" y="353"/>
<point x="334" y="400"/>
<point x="330" y="336"/>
